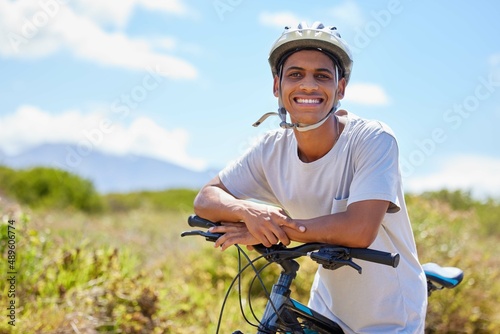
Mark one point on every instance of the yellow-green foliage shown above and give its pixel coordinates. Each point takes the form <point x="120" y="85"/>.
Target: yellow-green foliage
<point x="172" y="199"/>
<point x="42" y="187"/>
<point x="126" y="270"/>
<point x="456" y="237"/>
<point x="49" y="188"/>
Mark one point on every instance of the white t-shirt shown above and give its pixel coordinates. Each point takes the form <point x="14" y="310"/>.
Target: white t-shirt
<point x="362" y="165"/>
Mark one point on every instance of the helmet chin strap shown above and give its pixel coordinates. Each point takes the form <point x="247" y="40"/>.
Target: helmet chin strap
<point x="299" y="126"/>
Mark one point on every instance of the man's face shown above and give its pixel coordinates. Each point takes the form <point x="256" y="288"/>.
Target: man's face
<point x="308" y="86"/>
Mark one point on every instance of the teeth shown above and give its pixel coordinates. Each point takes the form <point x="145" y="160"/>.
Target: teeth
<point x="308" y="101"/>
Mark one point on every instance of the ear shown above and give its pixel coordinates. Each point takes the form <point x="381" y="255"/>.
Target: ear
<point x="276" y="85"/>
<point x="341" y="88"/>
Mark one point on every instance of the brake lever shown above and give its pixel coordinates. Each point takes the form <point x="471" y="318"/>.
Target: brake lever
<point x="351" y="264"/>
<point x="209" y="236"/>
<point x="334" y="259"/>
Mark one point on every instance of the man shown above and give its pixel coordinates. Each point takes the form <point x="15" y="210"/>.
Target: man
<point x="327" y="176"/>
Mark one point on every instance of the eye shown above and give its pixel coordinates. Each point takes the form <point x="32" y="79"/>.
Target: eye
<point x="323" y="76"/>
<point x="294" y="74"/>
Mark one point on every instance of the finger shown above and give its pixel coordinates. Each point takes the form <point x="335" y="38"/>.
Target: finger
<point x="218" y="229"/>
<point x="226" y="245"/>
<point x="282" y="236"/>
<point x="285" y="241"/>
<point x="265" y="241"/>
<point x="272" y="235"/>
<point x="226" y="240"/>
<point x="220" y="241"/>
<point x="293" y="225"/>
<point x="230" y="242"/>
<point x="264" y="238"/>
<point x="233" y="238"/>
<point x="277" y="233"/>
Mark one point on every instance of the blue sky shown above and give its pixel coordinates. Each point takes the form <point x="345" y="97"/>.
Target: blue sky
<point x="183" y="80"/>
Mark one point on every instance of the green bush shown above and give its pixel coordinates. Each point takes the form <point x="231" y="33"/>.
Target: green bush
<point x="42" y="187"/>
<point x="6" y="175"/>
<point x="48" y="188"/>
<point x="454" y="237"/>
<point x="169" y="200"/>
<point x="63" y="287"/>
<point x="487" y="212"/>
<point x="457" y="199"/>
<point x="489" y="215"/>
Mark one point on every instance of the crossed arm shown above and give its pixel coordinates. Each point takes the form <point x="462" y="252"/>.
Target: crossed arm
<point x="249" y="223"/>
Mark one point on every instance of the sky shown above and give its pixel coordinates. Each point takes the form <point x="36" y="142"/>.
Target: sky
<point x="183" y="80"/>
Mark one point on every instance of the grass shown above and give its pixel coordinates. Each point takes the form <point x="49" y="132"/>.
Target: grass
<point x="126" y="270"/>
<point x="462" y="237"/>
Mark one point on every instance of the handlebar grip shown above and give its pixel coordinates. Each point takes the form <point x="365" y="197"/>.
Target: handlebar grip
<point x="389" y="259"/>
<point x="197" y="221"/>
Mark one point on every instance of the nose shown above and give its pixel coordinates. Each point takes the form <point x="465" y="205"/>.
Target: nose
<point x="308" y="83"/>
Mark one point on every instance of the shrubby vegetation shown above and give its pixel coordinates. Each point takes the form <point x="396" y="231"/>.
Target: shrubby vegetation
<point x="173" y="199"/>
<point x="42" y="187"/>
<point x="117" y="264"/>
<point x="453" y="229"/>
<point x="48" y="188"/>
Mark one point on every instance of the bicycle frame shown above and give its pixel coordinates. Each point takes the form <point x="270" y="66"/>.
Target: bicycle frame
<point x="285" y="313"/>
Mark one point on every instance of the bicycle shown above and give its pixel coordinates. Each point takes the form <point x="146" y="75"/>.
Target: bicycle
<point x="282" y="313"/>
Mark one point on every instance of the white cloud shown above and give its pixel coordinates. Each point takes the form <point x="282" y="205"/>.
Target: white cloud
<point x="478" y="174"/>
<point x="165" y="43"/>
<point x="279" y="20"/>
<point x="171" y="6"/>
<point x="49" y="26"/>
<point x="118" y="12"/>
<point x="347" y="13"/>
<point x="29" y="126"/>
<point x="494" y="60"/>
<point x="366" y="94"/>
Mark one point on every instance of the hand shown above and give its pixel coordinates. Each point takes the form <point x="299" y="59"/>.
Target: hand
<point x="234" y="233"/>
<point x="265" y="223"/>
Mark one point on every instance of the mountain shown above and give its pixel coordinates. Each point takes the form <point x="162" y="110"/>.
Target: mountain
<point x="110" y="173"/>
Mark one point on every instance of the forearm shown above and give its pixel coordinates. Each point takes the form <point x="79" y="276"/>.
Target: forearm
<point x="216" y="204"/>
<point x="356" y="227"/>
<point x="331" y="229"/>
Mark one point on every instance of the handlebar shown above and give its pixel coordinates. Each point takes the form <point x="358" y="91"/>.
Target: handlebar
<point x="197" y="221"/>
<point x="330" y="256"/>
<point x="389" y="259"/>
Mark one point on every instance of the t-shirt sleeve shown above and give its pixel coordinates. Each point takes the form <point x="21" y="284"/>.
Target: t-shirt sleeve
<point x="245" y="177"/>
<point x="376" y="170"/>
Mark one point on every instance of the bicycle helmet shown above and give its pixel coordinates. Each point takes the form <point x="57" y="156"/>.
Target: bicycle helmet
<point x="317" y="36"/>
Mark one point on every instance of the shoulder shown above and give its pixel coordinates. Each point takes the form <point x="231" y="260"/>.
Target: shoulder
<point x="369" y="138"/>
<point x="269" y="146"/>
<point x="363" y="128"/>
<point x="274" y="139"/>
<point x="277" y="135"/>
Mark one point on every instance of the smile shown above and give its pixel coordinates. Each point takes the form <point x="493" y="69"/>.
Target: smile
<point x="308" y="101"/>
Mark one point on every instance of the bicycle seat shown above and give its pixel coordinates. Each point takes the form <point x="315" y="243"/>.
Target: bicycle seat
<point x="448" y="277"/>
